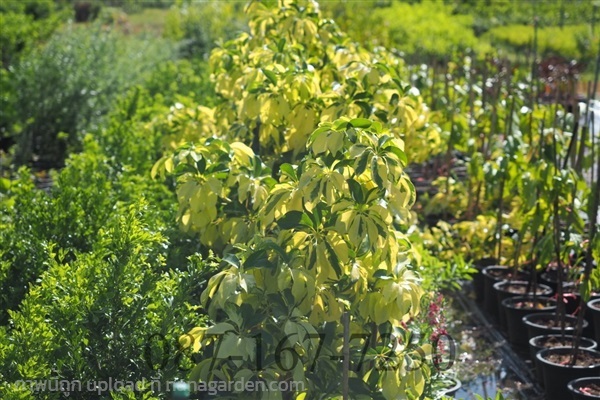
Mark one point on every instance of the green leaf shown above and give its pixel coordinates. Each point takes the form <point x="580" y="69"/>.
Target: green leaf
<point x="361" y="165"/>
<point x="256" y="259"/>
<point x="360" y="123"/>
<point x="399" y="153"/>
<point x="270" y="75"/>
<point x="290" y="220"/>
<point x="4" y="184"/>
<point x="217" y="168"/>
<point x="232" y="260"/>
<point x="382" y="274"/>
<point x="375" y="173"/>
<point x="281" y="45"/>
<point x="307" y="220"/>
<point x="361" y="95"/>
<point x="356" y="191"/>
<point x="382" y="115"/>
<point x="289" y="171"/>
<point x="201" y="165"/>
<point x="333" y="259"/>
<point x="340" y="124"/>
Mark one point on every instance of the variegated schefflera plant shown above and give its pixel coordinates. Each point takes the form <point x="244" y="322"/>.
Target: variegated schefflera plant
<point x="296" y="178"/>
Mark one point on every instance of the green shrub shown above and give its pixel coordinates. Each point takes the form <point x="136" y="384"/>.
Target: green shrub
<point x="489" y="14"/>
<point x="181" y="81"/>
<point x="199" y="25"/>
<point x="105" y="315"/>
<point x="24" y="25"/>
<point x="427" y="29"/>
<point x="70" y="216"/>
<point x="67" y="87"/>
<point x="574" y="41"/>
<point x="112" y="170"/>
<point x="422" y="30"/>
<point x="23" y="250"/>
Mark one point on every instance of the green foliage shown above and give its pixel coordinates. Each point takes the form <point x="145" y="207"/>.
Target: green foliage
<point x="93" y="318"/>
<point x="24" y="25"/>
<point x="67" y="87"/>
<point x="572" y="41"/>
<point x="429" y="31"/>
<point x="490" y="14"/>
<point x="434" y="31"/>
<point x="23" y="252"/>
<point x="424" y="30"/>
<point x="79" y="205"/>
<point x="273" y="89"/>
<point x="200" y="25"/>
<point x="112" y="170"/>
<point x="324" y="244"/>
<point x="181" y="81"/>
<point x="91" y="271"/>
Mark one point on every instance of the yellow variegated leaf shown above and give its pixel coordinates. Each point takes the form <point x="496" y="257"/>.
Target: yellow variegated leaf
<point x="243" y="154"/>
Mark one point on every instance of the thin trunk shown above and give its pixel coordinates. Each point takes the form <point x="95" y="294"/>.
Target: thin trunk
<point x="346" y="359"/>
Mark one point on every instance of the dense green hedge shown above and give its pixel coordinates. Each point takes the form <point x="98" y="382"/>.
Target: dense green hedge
<point x="95" y="275"/>
<point x="64" y="89"/>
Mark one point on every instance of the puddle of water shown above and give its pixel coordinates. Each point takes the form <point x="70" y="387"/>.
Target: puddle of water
<point x="485" y="362"/>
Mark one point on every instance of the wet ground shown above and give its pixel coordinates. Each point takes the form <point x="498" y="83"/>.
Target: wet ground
<point x="485" y="362"/>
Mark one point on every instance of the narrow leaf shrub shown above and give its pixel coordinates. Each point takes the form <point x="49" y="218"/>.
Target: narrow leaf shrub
<point x="107" y="314"/>
<point x="65" y="88"/>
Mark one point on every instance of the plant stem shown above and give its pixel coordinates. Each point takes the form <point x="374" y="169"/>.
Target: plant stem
<point x="589" y="260"/>
<point x="346" y="354"/>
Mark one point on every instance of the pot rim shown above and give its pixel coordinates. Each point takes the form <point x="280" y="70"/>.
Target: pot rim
<point x="486" y="270"/>
<point x="526" y="321"/>
<point x="547" y="299"/>
<point x="532" y="341"/>
<point x="574" y="385"/>
<point x="595" y="302"/>
<point x="541" y="353"/>
<point x="546" y="289"/>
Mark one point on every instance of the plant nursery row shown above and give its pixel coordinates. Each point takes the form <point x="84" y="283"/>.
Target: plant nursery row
<point x="283" y="200"/>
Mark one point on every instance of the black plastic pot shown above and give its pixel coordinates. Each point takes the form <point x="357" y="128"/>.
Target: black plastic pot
<point x="550" y="277"/>
<point x="593" y="313"/>
<point x="478" y="283"/>
<point x="558" y="376"/>
<point x="504" y="290"/>
<point x="517" y="332"/>
<point x="536" y="329"/>
<point x="535" y="345"/>
<point x="491" y="275"/>
<point x="575" y="385"/>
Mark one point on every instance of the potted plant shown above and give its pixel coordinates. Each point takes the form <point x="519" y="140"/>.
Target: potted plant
<point x="492" y="275"/>
<point x="563" y="364"/>
<point x="554" y="340"/>
<point x="546" y="323"/>
<point x="593" y="307"/>
<point x="585" y="388"/>
<point x="478" y="281"/>
<point x="515" y="308"/>
<point x="558" y="368"/>
<point x="507" y="289"/>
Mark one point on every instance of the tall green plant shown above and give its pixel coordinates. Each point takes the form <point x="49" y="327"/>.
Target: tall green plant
<point x="307" y="220"/>
<point x="325" y="245"/>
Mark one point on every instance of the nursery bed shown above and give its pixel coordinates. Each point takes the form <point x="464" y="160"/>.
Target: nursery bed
<point x="485" y="361"/>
